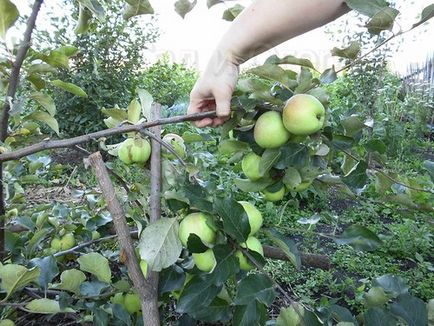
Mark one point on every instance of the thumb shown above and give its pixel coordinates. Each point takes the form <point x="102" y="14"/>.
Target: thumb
<point x="223" y="104"/>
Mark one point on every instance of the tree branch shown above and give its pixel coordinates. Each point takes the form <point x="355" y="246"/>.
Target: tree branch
<point x="64" y="143"/>
<point x="123" y="231"/>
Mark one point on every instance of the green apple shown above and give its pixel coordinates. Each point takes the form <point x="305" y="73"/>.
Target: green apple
<point x="96" y="235"/>
<point x="250" y="166"/>
<point x="144" y="268"/>
<point x="56" y="244"/>
<point x="254" y="215"/>
<point x="67" y="241"/>
<point x="274" y="196"/>
<point x="132" y="303"/>
<point x="302" y="186"/>
<point x="177" y="143"/>
<point x="12" y="213"/>
<point x="269" y="131"/>
<point x="118" y="298"/>
<point x="196" y="223"/>
<point x="7" y="322"/>
<point x="137" y="150"/>
<point x="252" y="244"/>
<point x="376" y="297"/>
<point x="303" y="114"/>
<point x="293" y="316"/>
<point x="205" y="261"/>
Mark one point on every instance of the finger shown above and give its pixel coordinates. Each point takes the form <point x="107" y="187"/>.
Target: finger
<point x="219" y="121"/>
<point x="203" y="123"/>
<point x="223" y="105"/>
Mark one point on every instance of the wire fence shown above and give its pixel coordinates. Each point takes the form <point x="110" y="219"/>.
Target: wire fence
<point x="420" y="78"/>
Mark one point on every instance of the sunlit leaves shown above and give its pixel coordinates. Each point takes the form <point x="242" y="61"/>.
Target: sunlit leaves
<point x="289" y="60"/>
<point x="211" y="3"/>
<point x="84" y="18"/>
<point x="69" y="87"/>
<point x="45" y="101"/>
<point x="8" y="15"/>
<point x="136" y="8"/>
<point x="46" y="306"/>
<point x="14" y="277"/>
<point x="231" y="13"/>
<point x="71" y="280"/>
<point x="146" y="101"/>
<point x="183" y="7"/>
<point x="95" y="7"/>
<point x="427" y="14"/>
<point x="134" y="111"/>
<point x="350" y="52"/>
<point x="382" y="20"/>
<point x="46" y="118"/>
<point x="275" y="73"/>
<point x="159" y="244"/>
<point x="97" y="265"/>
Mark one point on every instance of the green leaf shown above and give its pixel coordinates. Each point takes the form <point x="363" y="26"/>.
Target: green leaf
<point x="383" y="20"/>
<point x="357" y="177"/>
<point x="254" y="313"/>
<point x="171" y="279"/>
<point x="95" y="7"/>
<point x="71" y="280"/>
<point x="293" y="315"/>
<point x="367" y="7"/>
<point x="84" y="17"/>
<point x="287" y="245"/>
<point x="211" y="3"/>
<point x="217" y="311"/>
<point x="14" y="277"/>
<point x="198" y="293"/>
<point x="429" y="166"/>
<point x="268" y="159"/>
<point x="134" y="111"/>
<point x="159" y="244"/>
<point x="289" y="60"/>
<point x="71" y="88"/>
<point x="391" y="284"/>
<point x="41" y="68"/>
<point x="93" y="288"/>
<point x="427" y="14"/>
<point x="231" y="146"/>
<point x="48" y="268"/>
<point x="183" y="7"/>
<point x="274" y="73"/>
<point x="231" y="13"/>
<point x="227" y="264"/>
<point x="412" y="310"/>
<point x="253" y="186"/>
<point x="352" y="125"/>
<point x="136" y="8"/>
<point x="360" y="238"/>
<point x="292" y="177"/>
<point x="45" y="101"/>
<point x="376" y="145"/>
<point x="350" y="52"/>
<point x="305" y="81"/>
<point x="197" y="197"/>
<point x="117" y="114"/>
<point x="296" y="155"/>
<point x="235" y="220"/>
<point x="44" y="117"/>
<point x="97" y="265"/>
<point x="46" y="306"/>
<point x="195" y="244"/>
<point x="379" y="317"/>
<point x="8" y="16"/>
<point x="67" y="50"/>
<point x="328" y="76"/>
<point x="146" y="101"/>
<point x="255" y="287"/>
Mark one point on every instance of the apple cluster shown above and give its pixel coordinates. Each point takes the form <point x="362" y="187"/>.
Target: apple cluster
<point x="303" y="115"/>
<point x="134" y="150"/>
<point x="201" y="225"/>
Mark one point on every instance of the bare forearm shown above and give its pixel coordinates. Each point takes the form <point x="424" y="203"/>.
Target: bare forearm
<point x="267" y="23"/>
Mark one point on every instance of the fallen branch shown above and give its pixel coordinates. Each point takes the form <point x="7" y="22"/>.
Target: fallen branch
<point x="71" y="142"/>
<point x="307" y="260"/>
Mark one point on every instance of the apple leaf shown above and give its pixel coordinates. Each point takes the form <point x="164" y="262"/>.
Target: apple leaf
<point x="360" y="238"/>
<point x="84" y="17"/>
<point x="253" y="313"/>
<point x="159" y="244"/>
<point x="199" y="292"/>
<point x="97" y="265"/>
<point x="328" y="76"/>
<point x="247" y="185"/>
<point x="268" y="159"/>
<point x="383" y="20"/>
<point x="171" y="279"/>
<point x="235" y="220"/>
<point x="183" y="7"/>
<point x="69" y="87"/>
<point x="218" y="310"/>
<point x="232" y="13"/>
<point x="350" y="52"/>
<point x="71" y="280"/>
<point x="227" y="264"/>
<point x="146" y="101"/>
<point x="287" y="245"/>
<point x="211" y="3"/>
<point x="255" y="287"/>
<point x="275" y="73"/>
<point x="48" y="268"/>
<point x="136" y="8"/>
<point x="46" y="306"/>
<point x="14" y="277"/>
<point x="357" y="177"/>
<point x="95" y="7"/>
<point x="289" y="60"/>
<point x="296" y="155"/>
<point x="367" y="7"/>
<point x="427" y="14"/>
<point x="377" y="316"/>
<point x="46" y="101"/>
<point x="391" y="284"/>
<point x="411" y="309"/>
<point x="44" y="117"/>
<point x="8" y="16"/>
<point x="231" y="146"/>
<point x="134" y="111"/>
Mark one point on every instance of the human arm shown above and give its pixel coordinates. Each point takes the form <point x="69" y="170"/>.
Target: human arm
<point x="261" y="26"/>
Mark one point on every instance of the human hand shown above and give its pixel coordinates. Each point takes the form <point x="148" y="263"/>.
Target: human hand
<point x="213" y="91"/>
